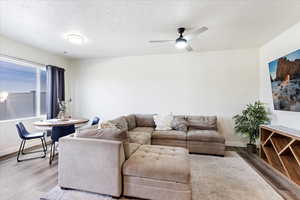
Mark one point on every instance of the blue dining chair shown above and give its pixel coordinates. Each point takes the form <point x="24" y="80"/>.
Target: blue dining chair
<point x="95" y="121"/>
<point x="25" y="135"/>
<point x="58" y="132"/>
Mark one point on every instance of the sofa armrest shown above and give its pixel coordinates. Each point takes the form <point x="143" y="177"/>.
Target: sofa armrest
<point x="93" y="165"/>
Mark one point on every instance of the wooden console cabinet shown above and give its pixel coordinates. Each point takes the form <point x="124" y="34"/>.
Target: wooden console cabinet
<point x="280" y="147"/>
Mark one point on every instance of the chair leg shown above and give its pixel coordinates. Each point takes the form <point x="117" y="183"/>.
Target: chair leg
<point x="50" y="159"/>
<point x="45" y="143"/>
<point x="23" y="147"/>
<point x="52" y="152"/>
<point x="42" y="141"/>
<point x="20" y="149"/>
<point x="44" y="149"/>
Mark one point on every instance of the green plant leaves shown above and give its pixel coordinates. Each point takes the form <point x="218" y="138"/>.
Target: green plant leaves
<point x="248" y="122"/>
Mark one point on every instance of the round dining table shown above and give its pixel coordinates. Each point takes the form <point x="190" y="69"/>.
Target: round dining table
<point x="49" y="123"/>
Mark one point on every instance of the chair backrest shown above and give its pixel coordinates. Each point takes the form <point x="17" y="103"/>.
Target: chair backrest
<point x="21" y="130"/>
<point x="95" y="120"/>
<point x="61" y="131"/>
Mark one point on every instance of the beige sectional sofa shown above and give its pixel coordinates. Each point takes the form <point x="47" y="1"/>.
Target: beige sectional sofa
<point x="198" y="134"/>
<point x="113" y="166"/>
<point x="134" y="159"/>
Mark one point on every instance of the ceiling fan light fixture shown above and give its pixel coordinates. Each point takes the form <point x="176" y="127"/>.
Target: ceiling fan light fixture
<point x="181" y="43"/>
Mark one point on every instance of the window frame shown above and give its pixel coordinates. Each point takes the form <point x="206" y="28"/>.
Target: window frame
<point x="38" y="68"/>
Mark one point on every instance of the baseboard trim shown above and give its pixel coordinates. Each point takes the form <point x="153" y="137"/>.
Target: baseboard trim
<point x="15" y="153"/>
<point x="235" y="144"/>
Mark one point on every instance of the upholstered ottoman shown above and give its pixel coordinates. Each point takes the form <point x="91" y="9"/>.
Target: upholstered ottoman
<point x="158" y="173"/>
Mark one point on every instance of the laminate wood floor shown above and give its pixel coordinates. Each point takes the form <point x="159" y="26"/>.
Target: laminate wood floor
<point x="28" y="180"/>
<point x="287" y="189"/>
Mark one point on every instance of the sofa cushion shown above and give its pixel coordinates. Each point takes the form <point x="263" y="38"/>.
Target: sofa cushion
<point x="179" y="123"/>
<point x="160" y="163"/>
<point x="130" y="148"/>
<point x="120" y="123"/>
<point x="202" y="122"/>
<point x="205" y="136"/>
<point x="144" y="120"/>
<point x="130" y="121"/>
<point x="173" y="134"/>
<point x="97" y="133"/>
<point x="89" y="133"/>
<point x="139" y="137"/>
<point x="105" y="133"/>
<point x="143" y="129"/>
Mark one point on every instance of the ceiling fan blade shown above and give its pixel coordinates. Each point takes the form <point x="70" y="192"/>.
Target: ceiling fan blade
<point x="161" y="41"/>
<point x="195" y="33"/>
<point x="189" y="48"/>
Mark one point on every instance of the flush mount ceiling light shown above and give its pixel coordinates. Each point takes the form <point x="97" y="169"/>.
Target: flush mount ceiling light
<point x="75" y="39"/>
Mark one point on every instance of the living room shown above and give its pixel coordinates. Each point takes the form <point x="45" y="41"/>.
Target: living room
<point x="66" y="64"/>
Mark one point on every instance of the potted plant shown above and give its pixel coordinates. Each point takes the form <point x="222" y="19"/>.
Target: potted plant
<point x="247" y="123"/>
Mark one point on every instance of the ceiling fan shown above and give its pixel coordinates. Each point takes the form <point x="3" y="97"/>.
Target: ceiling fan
<point x="182" y="42"/>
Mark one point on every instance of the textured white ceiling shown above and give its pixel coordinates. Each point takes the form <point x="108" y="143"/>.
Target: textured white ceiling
<point x="123" y="27"/>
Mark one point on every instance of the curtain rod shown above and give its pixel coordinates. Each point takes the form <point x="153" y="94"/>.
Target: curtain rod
<point x="21" y="59"/>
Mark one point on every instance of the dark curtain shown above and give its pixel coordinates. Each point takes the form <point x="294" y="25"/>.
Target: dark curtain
<point x="55" y="90"/>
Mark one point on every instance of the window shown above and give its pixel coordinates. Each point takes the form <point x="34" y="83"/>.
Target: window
<point x="22" y="90"/>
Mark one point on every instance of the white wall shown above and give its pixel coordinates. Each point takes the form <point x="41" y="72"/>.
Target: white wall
<point x="214" y="83"/>
<point x="282" y="45"/>
<point x="9" y="139"/>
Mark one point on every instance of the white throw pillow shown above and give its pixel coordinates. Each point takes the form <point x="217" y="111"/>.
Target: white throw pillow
<point x="163" y="122"/>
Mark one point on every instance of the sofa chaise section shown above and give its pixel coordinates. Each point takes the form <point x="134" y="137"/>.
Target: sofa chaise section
<point x="206" y="142"/>
<point x="203" y="136"/>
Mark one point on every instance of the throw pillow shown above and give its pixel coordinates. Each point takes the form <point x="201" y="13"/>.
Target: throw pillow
<point x="120" y="123"/>
<point x="163" y="122"/>
<point x="179" y="124"/>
